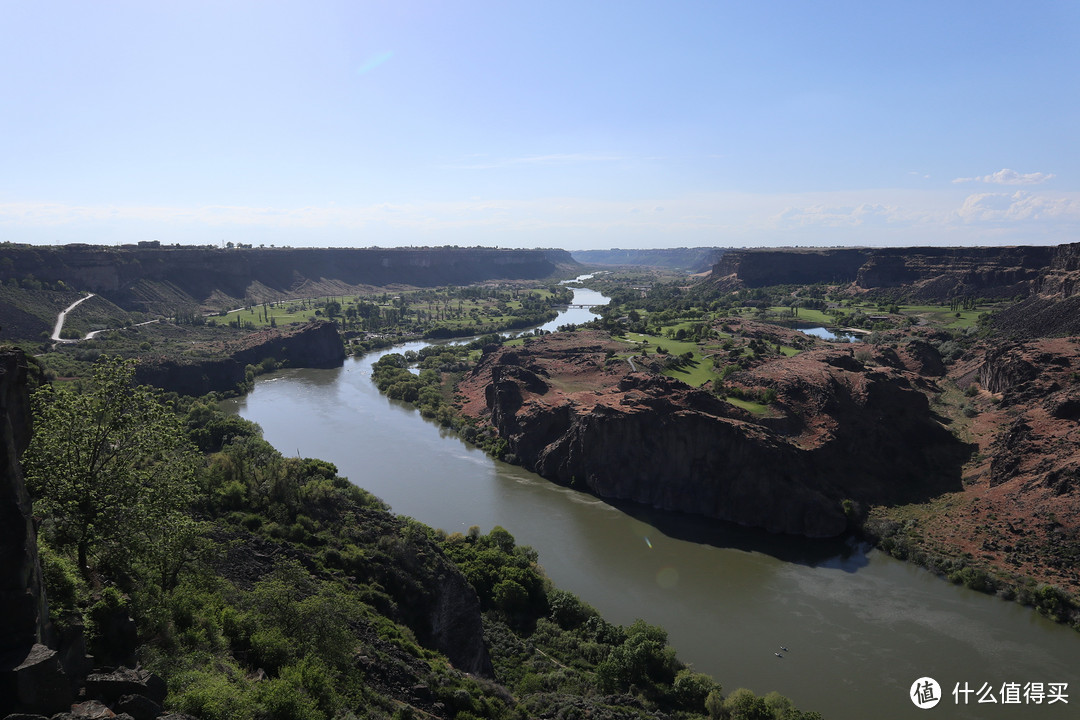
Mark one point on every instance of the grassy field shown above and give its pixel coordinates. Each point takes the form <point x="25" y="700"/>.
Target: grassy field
<point x="457" y="313"/>
<point x="283" y="313"/>
<point x="940" y="315"/>
<point x="806" y="315"/>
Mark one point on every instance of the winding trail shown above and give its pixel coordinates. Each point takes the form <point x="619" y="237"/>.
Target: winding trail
<point x="63" y="316"/>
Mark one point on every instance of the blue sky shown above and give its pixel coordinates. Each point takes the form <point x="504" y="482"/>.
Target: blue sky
<point x="567" y="124"/>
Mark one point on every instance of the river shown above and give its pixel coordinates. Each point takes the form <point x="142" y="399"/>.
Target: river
<point x="860" y="627"/>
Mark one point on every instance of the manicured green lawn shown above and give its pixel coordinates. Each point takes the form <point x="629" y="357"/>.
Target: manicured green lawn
<point x="696" y="374"/>
<point x="675" y="347"/>
<point x="753" y="407"/>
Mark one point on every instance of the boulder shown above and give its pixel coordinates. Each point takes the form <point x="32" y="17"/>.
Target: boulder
<point x="111" y="686"/>
<point x="38" y="683"/>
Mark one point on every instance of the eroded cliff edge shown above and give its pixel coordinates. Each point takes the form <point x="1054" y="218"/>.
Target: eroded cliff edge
<point x="842" y="430"/>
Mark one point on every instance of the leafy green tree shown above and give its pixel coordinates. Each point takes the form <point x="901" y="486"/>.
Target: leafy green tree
<point x="111" y="469"/>
<point x="743" y="704"/>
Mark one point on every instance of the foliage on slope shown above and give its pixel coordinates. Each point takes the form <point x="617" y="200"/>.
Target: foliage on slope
<point x="294" y="594"/>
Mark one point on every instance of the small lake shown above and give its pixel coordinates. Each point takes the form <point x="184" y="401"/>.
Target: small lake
<point x="834" y="335"/>
<point x="860" y="626"/>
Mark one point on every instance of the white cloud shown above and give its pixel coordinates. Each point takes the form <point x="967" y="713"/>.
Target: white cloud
<point x="1006" y="176"/>
<point x="1018" y="207"/>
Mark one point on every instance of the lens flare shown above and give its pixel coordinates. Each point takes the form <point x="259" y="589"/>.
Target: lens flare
<point x="667" y="578"/>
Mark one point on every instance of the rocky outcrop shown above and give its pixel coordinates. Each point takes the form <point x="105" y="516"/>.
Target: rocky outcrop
<point x="135" y="277"/>
<point x="1005" y="368"/>
<point x="190" y="377"/>
<point x="917" y="273"/>
<point x="315" y="344"/>
<point x="1038" y="386"/>
<point x="842" y="430"/>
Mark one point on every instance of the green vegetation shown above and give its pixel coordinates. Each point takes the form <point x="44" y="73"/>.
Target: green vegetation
<point x="291" y="570"/>
<point x="112" y="468"/>
<point x="366" y="322"/>
<point x="431" y="388"/>
<point x="432" y="313"/>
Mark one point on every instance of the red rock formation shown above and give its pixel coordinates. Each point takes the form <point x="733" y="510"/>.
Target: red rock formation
<point x="841" y="431"/>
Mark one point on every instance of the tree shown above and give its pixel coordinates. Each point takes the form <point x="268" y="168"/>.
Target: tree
<point x="111" y="468"/>
<point x="743" y="704"/>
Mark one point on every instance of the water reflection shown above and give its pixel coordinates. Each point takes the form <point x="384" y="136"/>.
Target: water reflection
<point x="833" y="335"/>
<point x="837" y="553"/>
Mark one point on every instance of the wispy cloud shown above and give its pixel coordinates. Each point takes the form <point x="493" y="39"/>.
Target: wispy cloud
<point x="554" y="159"/>
<point x="878" y="217"/>
<point x="1005" y="176"/>
<point x="864" y="214"/>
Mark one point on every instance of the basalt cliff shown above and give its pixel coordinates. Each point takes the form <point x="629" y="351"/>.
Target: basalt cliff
<point x="843" y="430"/>
<point x="156" y="278"/>
<point x="1053" y="308"/>
<point x="221" y="366"/>
<point x="915" y="273"/>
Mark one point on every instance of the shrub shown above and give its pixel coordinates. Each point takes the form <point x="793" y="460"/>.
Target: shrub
<point x="209" y="695"/>
<point x="284" y="698"/>
<point x="270" y="648"/>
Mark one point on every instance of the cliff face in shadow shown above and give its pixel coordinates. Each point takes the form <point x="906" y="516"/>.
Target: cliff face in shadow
<point x="34" y="675"/>
<point x="841" y="431"/>
<point x="920" y="273"/>
<point x="761" y="268"/>
<point x="21" y="601"/>
<point x="125" y="275"/>
<point x="1054" y="306"/>
<point x="315" y="344"/>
